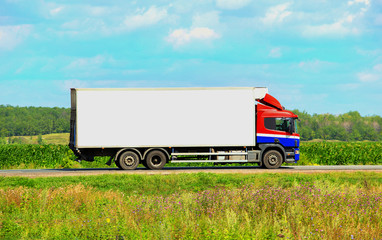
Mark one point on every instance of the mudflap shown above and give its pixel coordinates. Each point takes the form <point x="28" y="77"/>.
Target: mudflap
<point x="110" y="161"/>
<point x="80" y="156"/>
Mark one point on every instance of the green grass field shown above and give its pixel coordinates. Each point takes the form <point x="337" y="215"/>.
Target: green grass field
<point x="54" y="138"/>
<point x="193" y="206"/>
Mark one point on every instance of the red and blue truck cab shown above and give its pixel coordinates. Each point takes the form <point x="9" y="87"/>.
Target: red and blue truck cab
<point x="277" y="130"/>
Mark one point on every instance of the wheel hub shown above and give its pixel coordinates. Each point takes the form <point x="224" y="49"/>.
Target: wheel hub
<point x="129" y="160"/>
<point x="156" y="160"/>
<point x="272" y="159"/>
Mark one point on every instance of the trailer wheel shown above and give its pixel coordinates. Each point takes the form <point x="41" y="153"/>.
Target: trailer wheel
<point x="128" y="160"/>
<point x="155" y="160"/>
<point x="272" y="159"/>
<point x="117" y="164"/>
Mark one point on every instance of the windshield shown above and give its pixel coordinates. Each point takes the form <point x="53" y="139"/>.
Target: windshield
<point x="281" y="124"/>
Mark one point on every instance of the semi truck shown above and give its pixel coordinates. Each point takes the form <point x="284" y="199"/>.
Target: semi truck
<point x="154" y="126"/>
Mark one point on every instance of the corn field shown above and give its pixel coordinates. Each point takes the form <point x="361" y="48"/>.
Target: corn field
<point x="341" y="153"/>
<point x="60" y="156"/>
<point x="34" y="156"/>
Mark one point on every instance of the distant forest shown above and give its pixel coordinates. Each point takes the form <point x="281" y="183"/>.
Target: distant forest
<point x="351" y="126"/>
<point x="27" y="121"/>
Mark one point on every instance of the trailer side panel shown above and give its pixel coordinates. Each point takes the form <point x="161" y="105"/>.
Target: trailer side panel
<point x="165" y="117"/>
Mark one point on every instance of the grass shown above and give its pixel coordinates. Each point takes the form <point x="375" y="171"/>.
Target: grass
<point x="53" y="138"/>
<point x="193" y="206"/>
<point x="170" y="184"/>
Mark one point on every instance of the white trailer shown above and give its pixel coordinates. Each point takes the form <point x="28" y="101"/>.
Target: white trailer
<point x="154" y="126"/>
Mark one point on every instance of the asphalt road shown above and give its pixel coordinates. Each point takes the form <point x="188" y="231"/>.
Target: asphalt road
<point x="176" y="170"/>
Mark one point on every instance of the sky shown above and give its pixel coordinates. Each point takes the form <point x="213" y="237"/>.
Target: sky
<point x="316" y="56"/>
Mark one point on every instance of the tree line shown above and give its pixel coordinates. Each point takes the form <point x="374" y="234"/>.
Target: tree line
<point x="28" y="121"/>
<point x="351" y="126"/>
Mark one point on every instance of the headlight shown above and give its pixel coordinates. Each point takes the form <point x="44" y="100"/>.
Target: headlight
<point x="296" y="152"/>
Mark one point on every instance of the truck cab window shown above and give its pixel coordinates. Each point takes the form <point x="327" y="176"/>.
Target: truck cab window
<point x="278" y="124"/>
<point x="270" y="123"/>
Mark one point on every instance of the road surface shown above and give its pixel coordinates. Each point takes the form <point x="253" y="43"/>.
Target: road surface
<point x="176" y="170"/>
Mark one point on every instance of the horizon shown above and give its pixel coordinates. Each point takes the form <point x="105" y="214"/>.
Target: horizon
<point x="311" y="114"/>
<point x="318" y="56"/>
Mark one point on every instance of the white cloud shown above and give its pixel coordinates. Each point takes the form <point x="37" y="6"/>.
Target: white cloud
<point x="309" y="64"/>
<point x="80" y="11"/>
<point x="25" y="66"/>
<point x="275" y="53"/>
<point x="315" y="65"/>
<point x="87" y="26"/>
<point x="82" y="63"/>
<point x="106" y="20"/>
<point x="11" y="36"/>
<point x="369" y="53"/>
<point x="180" y="37"/>
<point x="336" y="29"/>
<point x="368" y="77"/>
<point x="208" y="19"/>
<point x="366" y="2"/>
<point x="99" y="11"/>
<point x="348" y="86"/>
<point x="105" y="83"/>
<point x="378" y="20"/>
<point x="348" y="23"/>
<point x="145" y="18"/>
<point x="373" y="75"/>
<point x="276" y="14"/>
<point x="73" y="83"/>
<point x="232" y="4"/>
<point x="133" y="71"/>
<point x="378" y="68"/>
<point x="56" y="11"/>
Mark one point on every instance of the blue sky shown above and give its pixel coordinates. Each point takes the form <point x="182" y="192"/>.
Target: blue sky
<point x="318" y="56"/>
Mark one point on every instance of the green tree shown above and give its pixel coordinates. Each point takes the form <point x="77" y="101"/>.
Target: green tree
<point x="40" y="140"/>
<point x="22" y="121"/>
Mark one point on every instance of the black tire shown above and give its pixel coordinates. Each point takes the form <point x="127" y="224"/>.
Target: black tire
<point x="128" y="160"/>
<point x="117" y="164"/>
<point x="261" y="165"/>
<point x="272" y="159"/>
<point x="155" y="160"/>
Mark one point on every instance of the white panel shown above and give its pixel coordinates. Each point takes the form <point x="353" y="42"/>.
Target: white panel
<point x="260" y="92"/>
<point x="166" y="117"/>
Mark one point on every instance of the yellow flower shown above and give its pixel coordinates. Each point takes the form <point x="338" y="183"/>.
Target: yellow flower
<point x="107" y="220"/>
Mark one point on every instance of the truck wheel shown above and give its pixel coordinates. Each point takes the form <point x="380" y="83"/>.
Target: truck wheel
<point x="128" y="160"/>
<point x="117" y="164"/>
<point x="272" y="159"/>
<point x="155" y="160"/>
